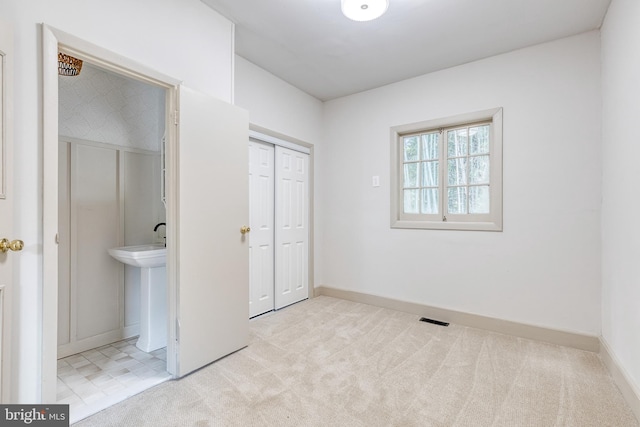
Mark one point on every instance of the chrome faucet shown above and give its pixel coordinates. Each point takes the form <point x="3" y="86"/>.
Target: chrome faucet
<point x="156" y="229"/>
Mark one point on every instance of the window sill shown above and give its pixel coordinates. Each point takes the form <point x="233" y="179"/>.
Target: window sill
<point x="444" y="225"/>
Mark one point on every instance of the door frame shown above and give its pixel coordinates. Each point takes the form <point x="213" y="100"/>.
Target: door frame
<point x="268" y="136"/>
<point x="54" y="40"/>
<point x="6" y="197"/>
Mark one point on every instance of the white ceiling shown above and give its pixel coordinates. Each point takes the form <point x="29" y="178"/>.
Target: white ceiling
<point x="311" y="45"/>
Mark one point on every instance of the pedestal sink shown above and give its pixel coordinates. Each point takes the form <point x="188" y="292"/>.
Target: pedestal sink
<point x="152" y="255"/>
<point x="152" y="261"/>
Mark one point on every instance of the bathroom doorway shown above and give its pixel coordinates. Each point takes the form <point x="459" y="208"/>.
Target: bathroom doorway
<point x="110" y="167"/>
<point x="206" y="158"/>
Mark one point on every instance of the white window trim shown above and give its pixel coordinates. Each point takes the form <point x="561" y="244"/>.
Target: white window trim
<point x="492" y="222"/>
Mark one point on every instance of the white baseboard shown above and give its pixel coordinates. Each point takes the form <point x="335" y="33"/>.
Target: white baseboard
<point x="553" y="336"/>
<point x="629" y="390"/>
<point x="85" y="344"/>
<point x="621" y="377"/>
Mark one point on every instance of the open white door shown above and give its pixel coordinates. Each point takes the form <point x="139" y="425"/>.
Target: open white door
<point x="7" y="244"/>
<point x="213" y="254"/>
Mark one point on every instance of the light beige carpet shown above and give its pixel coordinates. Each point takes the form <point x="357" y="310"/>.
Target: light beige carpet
<point x="329" y="362"/>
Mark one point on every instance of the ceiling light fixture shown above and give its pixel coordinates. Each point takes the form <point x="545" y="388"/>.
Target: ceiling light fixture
<point x="364" y="10"/>
<point x="68" y="65"/>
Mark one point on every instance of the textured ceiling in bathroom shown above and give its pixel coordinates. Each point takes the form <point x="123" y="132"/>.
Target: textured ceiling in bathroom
<point x="105" y="107"/>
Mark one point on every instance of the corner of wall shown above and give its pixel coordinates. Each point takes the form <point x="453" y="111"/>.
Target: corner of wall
<point x="621" y="377"/>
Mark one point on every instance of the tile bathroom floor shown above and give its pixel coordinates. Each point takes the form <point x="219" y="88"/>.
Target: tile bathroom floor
<point x="96" y="379"/>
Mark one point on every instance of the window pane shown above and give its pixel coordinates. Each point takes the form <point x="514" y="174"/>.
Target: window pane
<point x="479" y="200"/>
<point x="411" y="201"/>
<point x="457" y="142"/>
<point x="430" y="174"/>
<point x="457" y="171"/>
<point x="479" y="139"/>
<point x="430" y="146"/>
<point x="457" y="200"/>
<point x="410" y="148"/>
<point x="411" y="175"/>
<point x="479" y="170"/>
<point x="430" y="201"/>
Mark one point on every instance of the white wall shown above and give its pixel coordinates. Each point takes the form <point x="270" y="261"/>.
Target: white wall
<point x="181" y="38"/>
<point x="276" y="105"/>
<point x="621" y="151"/>
<point x="544" y="269"/>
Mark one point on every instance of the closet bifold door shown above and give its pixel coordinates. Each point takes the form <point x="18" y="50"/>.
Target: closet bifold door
<point x="291" y="226"/>
<point x="261" y="237"/>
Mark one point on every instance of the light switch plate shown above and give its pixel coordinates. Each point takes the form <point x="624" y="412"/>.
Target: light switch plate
<point x="375" y="181"/>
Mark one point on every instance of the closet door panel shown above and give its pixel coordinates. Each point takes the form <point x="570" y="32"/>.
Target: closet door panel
<point x="292" y="226"/>
<point x="261" y="237"/>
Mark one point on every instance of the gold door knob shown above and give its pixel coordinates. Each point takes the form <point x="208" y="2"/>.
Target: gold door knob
<point x="244" y="229"/>
<point x="14" y="245"/>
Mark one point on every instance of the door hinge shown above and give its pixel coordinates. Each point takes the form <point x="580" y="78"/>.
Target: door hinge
<point x="177" y="330"/>
<point x="176" y="117"/>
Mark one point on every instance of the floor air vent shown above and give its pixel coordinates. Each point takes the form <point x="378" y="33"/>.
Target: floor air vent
<point x="435" y="322"/>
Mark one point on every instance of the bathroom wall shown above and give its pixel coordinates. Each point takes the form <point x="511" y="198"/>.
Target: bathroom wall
<point x="111" y="128"/>
<point x="102" y="106"/>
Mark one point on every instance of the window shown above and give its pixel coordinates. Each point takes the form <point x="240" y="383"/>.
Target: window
<point x="447" y="173"/>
